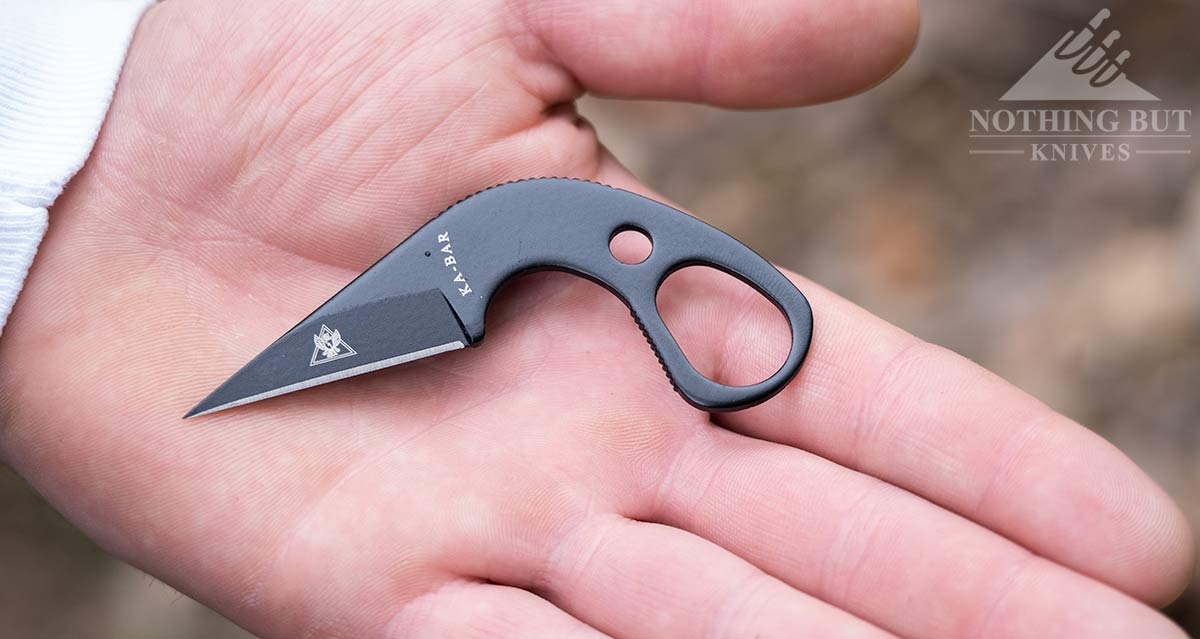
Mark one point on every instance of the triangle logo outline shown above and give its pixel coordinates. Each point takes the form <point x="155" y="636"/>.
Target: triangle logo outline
<point x="328" y="346"/>
<point x="1080" y="67"/>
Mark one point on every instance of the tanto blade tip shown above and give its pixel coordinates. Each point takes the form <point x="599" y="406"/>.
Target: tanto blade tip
<point x="385" y="330"/>
<point x="209" y="406"/>
<point x="192" y="413"/>
<point x="201" y="409"/>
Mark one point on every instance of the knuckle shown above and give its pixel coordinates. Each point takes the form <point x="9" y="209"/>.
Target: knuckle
<point x="889" y="396"/>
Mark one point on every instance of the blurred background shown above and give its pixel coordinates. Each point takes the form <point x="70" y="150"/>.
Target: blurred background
<point x="1079" y="282"/>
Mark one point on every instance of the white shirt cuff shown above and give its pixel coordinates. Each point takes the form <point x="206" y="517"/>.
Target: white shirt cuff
<point x="59" y="61"/>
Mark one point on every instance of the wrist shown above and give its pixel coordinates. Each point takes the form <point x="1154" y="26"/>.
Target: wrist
<point x="61" y="67"/>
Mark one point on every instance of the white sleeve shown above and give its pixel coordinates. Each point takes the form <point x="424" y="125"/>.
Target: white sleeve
<point x="59" y="61"/>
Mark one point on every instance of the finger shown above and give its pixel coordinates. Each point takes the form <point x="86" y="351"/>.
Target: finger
<point x="872" y="549"/>
<point x="929" y="421"/>
<point x="760" y="53"/>
<point x="472" y="609"/>
<point x="873" y="398"/>
<point x="637" y="579"/>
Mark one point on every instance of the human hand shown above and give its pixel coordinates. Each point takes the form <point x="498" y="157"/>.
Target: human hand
<point x="549" y="483"/>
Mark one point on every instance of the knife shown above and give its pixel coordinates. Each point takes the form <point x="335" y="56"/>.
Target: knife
<point x="430" y="294"/>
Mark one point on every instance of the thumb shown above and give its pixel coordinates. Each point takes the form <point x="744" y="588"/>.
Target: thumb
<point x="733" y="53"/>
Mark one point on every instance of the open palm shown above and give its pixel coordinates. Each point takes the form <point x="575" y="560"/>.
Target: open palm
<point x="549" y="483"/>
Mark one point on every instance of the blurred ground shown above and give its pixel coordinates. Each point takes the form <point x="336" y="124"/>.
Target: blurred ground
<point x="1078" y="282"/>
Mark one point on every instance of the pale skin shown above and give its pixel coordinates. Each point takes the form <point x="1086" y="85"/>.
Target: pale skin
<point x="258" y="155"/>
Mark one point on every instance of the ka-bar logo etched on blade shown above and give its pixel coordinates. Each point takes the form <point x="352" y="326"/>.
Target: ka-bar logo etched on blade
<point x="328" y="345"/>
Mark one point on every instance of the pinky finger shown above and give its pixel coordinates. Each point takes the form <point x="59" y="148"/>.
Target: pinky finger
<point x="476" y="609"/>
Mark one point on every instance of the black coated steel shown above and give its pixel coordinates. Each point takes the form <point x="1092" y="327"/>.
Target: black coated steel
<point x="437" y="284"/>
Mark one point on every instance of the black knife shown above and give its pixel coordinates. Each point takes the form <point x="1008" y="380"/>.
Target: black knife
<point x="430" y="294"/>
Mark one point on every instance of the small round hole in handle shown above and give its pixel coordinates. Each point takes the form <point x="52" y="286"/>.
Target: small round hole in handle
<point x="630" y="245"/>
<point x="729" y="332"/>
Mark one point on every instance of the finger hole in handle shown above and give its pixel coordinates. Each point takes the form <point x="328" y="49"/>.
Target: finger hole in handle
<point x="713" y="396"/>
<point x="728" y="330"/>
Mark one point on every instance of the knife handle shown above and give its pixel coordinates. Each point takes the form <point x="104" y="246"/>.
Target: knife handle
<point x="717" y="251"/>
<point x="567" y="224"/>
